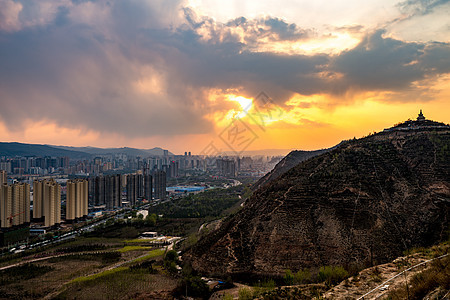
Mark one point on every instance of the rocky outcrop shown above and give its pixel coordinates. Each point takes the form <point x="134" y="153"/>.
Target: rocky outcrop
<point x="361" y="203"/>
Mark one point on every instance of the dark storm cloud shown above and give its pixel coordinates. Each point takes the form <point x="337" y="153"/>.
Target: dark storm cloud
<point x="380" y="63"/>
<point x="284" y="30"/>
<point x="82" y="67"/>
<point x="252" y="31"/>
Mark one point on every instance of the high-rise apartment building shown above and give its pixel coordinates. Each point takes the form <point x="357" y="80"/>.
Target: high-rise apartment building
<point x="113" y="188"/>
<point x="3" y="177"/>
<point x="159" y="178"/>
<point x="133" y="188"/>
<point x="148" y="187"/>
<point x="5" y="205"/>
<point x="47" y="201"/>
<point x="77" y="199"/>
<point x="140" y="185"/>
<point x="107" y="190"/>
<point x="173" y="169"/>
<point x="226" y="167"/>
<point x="14" y="204"/>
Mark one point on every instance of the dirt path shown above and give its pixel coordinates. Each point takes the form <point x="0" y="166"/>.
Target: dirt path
<point x="376" y="282"/>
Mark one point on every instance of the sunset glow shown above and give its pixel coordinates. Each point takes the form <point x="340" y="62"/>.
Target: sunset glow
<point x="176" y="74"/>
<point x="245" y="103"/>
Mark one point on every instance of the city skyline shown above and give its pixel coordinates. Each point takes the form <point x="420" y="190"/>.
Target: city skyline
<point x="181" y="74"/>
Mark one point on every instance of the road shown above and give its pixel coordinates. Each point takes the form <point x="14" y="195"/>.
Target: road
<point x="75" y="233"/>
<point x="87" y="228"/>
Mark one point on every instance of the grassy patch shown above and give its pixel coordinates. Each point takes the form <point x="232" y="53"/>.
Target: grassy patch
<point x="106" y="274"/>
<point x="140" y="241"/>
<point x="133" y="248"/>
<point x="151" y="254"/>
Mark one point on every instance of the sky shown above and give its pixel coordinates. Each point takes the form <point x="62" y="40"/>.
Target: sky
<point x="209" y="76"/>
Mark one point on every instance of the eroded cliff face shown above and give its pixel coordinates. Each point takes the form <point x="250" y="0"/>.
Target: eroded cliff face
<point x="365" y="201"/>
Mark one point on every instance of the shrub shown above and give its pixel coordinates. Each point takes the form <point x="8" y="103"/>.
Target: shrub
<point x="227" y="296"/>
<point x="332" y="275"/>
<point x="288" y="277"/>
<point x="303" y="276"/>
<point x="171" y="255"/>
<point x="376" y="275"/>
<point x="170" y="261"/>
<point x="245" y="293"/>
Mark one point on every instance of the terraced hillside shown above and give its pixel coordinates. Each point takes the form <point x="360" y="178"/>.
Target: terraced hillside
<point x="362" y="203"/>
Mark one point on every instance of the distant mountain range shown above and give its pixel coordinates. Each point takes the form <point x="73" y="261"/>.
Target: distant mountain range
<point x="125" y="150"/>
<point x="263" y="152"/>
<point x="21" y="149"/>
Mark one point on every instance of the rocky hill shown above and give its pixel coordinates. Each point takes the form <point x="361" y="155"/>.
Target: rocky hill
<point x="288" y="162"/>
<point x="360" y="204"/>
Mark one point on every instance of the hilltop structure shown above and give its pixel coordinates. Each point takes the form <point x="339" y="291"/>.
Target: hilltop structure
<point x="421" y="123"/>
<point x="420" y="117"/>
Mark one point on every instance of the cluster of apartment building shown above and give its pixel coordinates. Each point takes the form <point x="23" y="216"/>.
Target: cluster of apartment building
<point x="20" y="206"/>
<point x="15" y="202"/>
<point x="41" y="166"/>
<point x="144" y="185"/>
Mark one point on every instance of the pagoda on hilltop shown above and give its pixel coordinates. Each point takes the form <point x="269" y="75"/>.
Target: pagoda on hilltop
<point x="420" y="117"/>
<point x="421" y="123"/>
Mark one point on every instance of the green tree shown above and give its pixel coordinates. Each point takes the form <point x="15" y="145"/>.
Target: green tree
<point x="171" y="255"/>
<point x="151" y="220"/>
<point x="170" y="261"/>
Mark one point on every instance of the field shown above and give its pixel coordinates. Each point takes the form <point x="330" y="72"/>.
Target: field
<point x="88" y="268"/>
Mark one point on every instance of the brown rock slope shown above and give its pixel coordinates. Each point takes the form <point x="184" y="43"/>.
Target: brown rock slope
<point x="364" y="202"/>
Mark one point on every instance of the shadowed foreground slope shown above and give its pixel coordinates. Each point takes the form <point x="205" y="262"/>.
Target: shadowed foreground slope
<point x="361" y="203"/>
